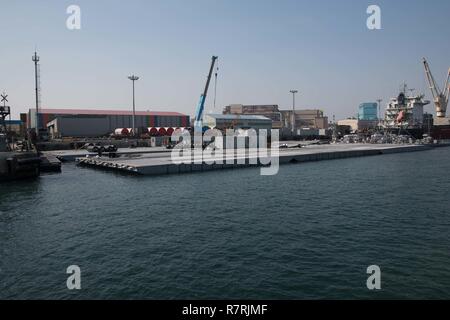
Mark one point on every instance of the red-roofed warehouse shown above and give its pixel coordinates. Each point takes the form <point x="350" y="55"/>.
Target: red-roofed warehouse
<point x="95" y="123"/>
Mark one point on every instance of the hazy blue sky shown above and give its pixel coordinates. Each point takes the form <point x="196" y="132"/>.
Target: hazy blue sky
<point x="266" y="48"/>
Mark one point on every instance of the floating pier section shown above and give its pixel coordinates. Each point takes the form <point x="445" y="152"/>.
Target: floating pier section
<point x="160" y="163"/>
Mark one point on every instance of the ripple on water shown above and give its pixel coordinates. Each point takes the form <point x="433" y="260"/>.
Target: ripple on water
<point x="309" y="232"/>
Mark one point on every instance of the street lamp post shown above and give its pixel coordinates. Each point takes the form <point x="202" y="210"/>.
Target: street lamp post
<point x="293" y="110"/>
<point x="134" y="78"/>
<point x="36" y="59"/>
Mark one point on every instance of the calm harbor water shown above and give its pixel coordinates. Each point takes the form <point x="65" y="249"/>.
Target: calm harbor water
<point x="309" y="232"/>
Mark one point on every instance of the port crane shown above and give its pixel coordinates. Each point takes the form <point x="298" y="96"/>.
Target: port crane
<point x="440" y="98"/>
<point x="198" y="124"/>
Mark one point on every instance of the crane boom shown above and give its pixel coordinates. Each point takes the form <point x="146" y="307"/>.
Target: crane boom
<point x="447" y="89"/>
<point x="440" y="98"/>
<point x="433" y="86"/>
<point x="198" y="125"/>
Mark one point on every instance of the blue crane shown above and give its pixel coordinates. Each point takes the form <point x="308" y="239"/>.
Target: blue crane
<point x="198" y="125"/>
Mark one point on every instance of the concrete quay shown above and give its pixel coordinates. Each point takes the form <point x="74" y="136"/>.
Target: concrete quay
<point x="160" y="163"/>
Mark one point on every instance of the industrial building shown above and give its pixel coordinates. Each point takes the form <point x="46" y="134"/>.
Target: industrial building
<point x="270" y="111"/>
<point x="232" y="121"/>
<point x="368" y="111"/>
<point x="96" y="123"/>
<point x="357" y="125"/>
<point x="311" y="132"/>
<point x="312" y="119"/>
<point x="307" y="118"/>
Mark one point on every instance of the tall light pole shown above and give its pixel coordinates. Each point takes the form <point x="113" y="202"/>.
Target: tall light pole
<point x="35" y="59"/>
<point x="134" y="78"/>
<point x="293" y="110"/>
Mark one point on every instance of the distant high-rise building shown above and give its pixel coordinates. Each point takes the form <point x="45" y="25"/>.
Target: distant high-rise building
<point x="368" y="111"/>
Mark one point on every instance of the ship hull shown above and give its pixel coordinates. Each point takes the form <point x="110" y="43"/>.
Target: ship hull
<point x="441" y="132"/>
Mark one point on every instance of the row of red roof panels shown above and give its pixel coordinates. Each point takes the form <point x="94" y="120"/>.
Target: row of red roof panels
<point x="108" y="112"/>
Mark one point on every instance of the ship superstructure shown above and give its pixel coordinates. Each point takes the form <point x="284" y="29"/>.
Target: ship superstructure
<point x="405" y="112"/>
